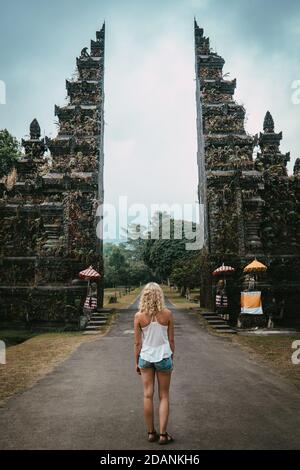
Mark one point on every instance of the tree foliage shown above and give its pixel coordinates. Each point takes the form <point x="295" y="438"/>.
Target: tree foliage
<point x="186" y="273"/>
<point x="162" y="254"/>
<point x="150" y="256"/>
<point x="122" y="267"/>
<point x="9" y="152"/>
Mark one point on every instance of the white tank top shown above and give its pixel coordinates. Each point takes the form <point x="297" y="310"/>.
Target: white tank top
<point x="155" y="345"/>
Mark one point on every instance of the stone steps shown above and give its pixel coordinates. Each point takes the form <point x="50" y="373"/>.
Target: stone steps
<point x="217" y="323"/>
<point x="97" y="320"/>
<point x="228" y="330"/>
<point x="222" y="326"/>
<point x="211" y="317"/>
<point x="92" y="328"/>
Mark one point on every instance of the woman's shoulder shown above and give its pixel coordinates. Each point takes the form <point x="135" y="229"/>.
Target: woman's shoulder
<point x="138" y="314"/>
<point x="167" y="312"/>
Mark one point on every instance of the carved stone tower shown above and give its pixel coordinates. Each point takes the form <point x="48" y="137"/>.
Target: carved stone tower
<point x="245" y="215"/>
<point x="48" y="230"/>
<point x="226" y="167"/>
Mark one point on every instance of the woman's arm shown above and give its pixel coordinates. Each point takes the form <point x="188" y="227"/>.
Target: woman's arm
<point x="137" y="338"/>
<point x="171" y="333"/>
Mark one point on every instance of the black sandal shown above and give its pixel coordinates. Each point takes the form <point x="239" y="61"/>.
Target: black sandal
<point x="167" y="440"/>
<point x="154" y="437"/>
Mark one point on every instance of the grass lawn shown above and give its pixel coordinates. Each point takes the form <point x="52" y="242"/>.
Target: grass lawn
<point x="275" y="351"/>
<point x="13" y="337"/>
<point x="31" y="355"/>
<point x="177" y="300"/>
<point x="124" y="300"/>
<point x="35" y="357"/>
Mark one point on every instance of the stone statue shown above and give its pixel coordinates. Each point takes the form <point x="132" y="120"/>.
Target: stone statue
<point x="84" y="53"/>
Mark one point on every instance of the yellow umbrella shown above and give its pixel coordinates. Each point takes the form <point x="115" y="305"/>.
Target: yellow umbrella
<point x="255" y="266"/>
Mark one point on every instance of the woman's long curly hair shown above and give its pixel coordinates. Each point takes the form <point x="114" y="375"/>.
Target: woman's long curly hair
<point x="152" y="299"/>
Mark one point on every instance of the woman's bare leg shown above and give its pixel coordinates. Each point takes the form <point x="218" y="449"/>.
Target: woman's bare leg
<point x="164" y="379"/>
<point x="148" y="378"/>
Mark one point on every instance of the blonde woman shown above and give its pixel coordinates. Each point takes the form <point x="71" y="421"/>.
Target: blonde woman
<point x="154" y="354"/>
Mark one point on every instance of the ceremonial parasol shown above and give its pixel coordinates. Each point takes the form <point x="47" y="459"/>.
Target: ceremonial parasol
<point x="255" y="266"/>
<point x="89" y="273"/>
<point x="223" y="270"/>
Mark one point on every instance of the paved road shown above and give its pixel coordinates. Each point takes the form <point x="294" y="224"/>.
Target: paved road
<point x="220" y="399"/>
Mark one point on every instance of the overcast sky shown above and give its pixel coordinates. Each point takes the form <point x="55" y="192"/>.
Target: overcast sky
<point x="150" y="133"/>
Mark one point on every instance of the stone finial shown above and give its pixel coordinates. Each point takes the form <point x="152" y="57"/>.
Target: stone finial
<point x="268" y="122"/>
<point x="100" y="34"/>
<point x="98" y="45"/>
<point x="35" y="130"/>
<point x="202" y="42"/>
<point x="297" y="167"/>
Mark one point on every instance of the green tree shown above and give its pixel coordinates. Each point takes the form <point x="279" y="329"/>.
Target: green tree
<point x="145" y="258"/>
<point x="123" y="266"/>
<point x="9" y="152"/>
<point x="161" y="254"/>
<point x="187" y="273"/>
<point x="115" y="266"/>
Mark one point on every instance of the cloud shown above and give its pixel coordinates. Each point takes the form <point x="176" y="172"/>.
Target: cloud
<point x="151" y="104"/>
<point x="150" y="110"/>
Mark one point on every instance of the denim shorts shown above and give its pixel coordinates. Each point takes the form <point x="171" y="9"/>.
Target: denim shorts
<point x="165" y="364"/>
